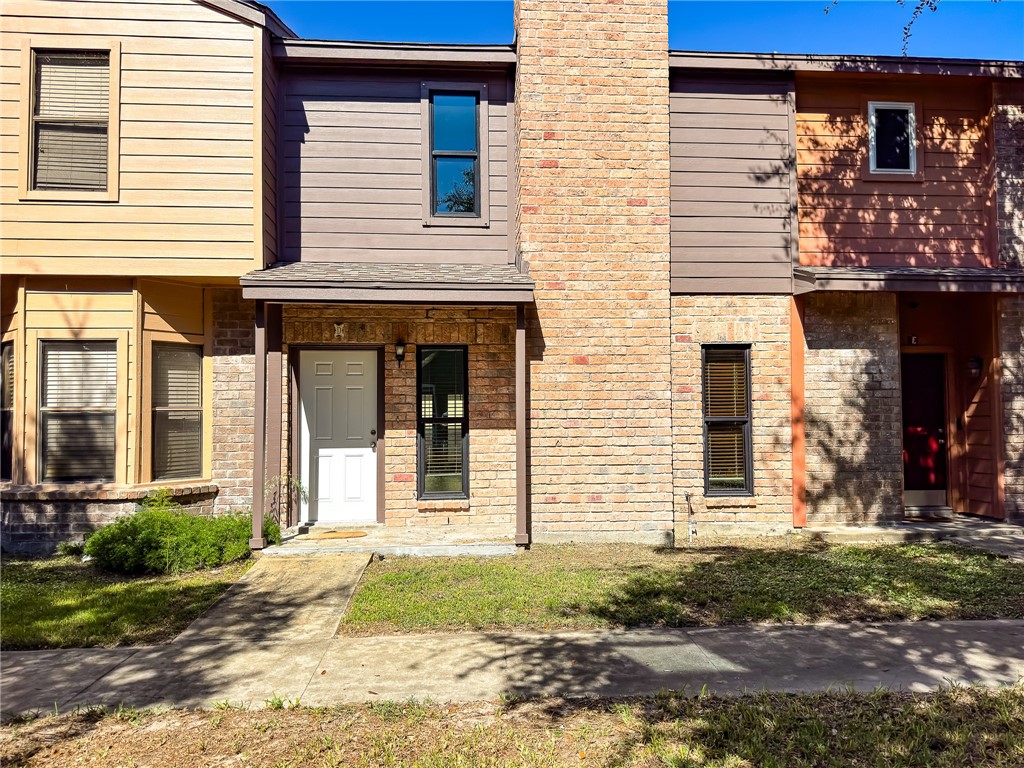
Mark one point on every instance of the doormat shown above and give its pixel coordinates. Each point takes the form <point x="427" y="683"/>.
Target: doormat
<point x="339" y="535"/>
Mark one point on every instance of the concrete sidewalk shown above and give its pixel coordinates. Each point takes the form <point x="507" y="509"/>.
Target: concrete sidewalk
<point x="464" y="667"/>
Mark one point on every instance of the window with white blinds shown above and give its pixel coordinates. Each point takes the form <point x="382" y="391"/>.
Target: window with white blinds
<point x="7" y="410"/>
<point x="78" y="411"/>
<point x="728" y="459"/>
<point x="442" y="422"/>
<point x="70" y="120"/>
<point x="177" y="411"/>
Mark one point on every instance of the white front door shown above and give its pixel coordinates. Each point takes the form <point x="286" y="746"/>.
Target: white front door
<point x="338" y="405"/>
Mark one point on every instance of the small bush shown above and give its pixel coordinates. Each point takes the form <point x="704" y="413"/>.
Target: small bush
<point x="162" y="538"/>
<point x="70" y="549"/>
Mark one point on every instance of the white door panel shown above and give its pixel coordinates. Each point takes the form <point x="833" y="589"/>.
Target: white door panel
<point x="338" y="406"/>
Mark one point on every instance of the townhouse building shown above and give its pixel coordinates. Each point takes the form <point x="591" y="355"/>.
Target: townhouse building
<point x="577" y="287"/>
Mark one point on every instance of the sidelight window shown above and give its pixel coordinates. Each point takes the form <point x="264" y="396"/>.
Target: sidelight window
<point x="442" y="422"/>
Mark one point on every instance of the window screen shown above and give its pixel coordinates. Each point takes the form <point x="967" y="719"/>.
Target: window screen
<point x="78" y="410"/>
<point x="6" y="410"/>
<point x="892" y="137"/>
<point x="177" y="411"/>
<point x="71" y="112"/>
<point x="727" y="450"/>
<point x="455" y="156"/>
<point x="443" y="422"/>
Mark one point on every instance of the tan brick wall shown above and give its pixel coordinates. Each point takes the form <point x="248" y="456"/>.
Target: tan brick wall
<point x="853" y="408"/>
<point x="233" y="397"/>
<point x="489" y="333"/>
<point x="763" y="323"/>
<point x="1011" y="345"/>
<point x="593" y="222"/>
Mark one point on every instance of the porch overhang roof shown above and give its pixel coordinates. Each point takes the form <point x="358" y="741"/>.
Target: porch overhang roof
<point x="951" y="280"/>
<point x="389" y="283"/>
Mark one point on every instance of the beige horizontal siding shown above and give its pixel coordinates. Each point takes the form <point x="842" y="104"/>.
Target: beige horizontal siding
<point x="187" y="145"/>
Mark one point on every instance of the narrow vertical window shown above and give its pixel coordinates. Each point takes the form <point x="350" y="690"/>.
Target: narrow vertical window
<point x="892" y="137"/>
<point x="177" y="411"/>
<point x="728" y="461"/>
<point x="455" y="154"/>
<point x="7" y="410"/>
<point x="70" y="120"/>
<point x="78" y="424"/>
<point x="442" y="422"/>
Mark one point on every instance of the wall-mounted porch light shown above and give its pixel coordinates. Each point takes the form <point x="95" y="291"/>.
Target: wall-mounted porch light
<point x="399" y="352"/>
<point x="974" y="367"/>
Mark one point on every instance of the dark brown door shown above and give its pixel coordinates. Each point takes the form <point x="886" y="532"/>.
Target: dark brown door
<point x="924" y="430"/>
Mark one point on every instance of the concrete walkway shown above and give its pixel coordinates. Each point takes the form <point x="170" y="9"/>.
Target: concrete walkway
<point x="198" y="669"/>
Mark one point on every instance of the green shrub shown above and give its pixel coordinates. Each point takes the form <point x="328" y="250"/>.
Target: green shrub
<point x="161" y="537"/>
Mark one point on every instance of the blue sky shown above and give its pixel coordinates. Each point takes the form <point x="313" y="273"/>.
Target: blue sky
<point x="959" y="28"/>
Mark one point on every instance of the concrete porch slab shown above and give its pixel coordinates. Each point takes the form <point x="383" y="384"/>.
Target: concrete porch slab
<point x="398" y="541"/>
<point x="1001" y="538"/>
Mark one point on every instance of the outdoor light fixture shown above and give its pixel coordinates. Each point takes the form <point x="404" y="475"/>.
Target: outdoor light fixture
<point x="399" y="352"/>
<point x="974" y="367"/>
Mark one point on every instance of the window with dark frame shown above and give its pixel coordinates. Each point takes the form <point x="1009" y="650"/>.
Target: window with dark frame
<point x="7" y="410"/>
<point x="442" y="428"/>
<point x="70" y="120"/>
<point x="728" y="461"/>
<point x="893" y="143"/>
<point x="78" y="411"/>
<point x="177" y="404"/>
<point x="455" y="153"/>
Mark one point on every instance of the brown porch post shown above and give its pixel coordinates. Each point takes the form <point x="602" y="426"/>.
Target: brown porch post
<point x="522" y="532"/>
<point x="259" y="429"/>
<point x="275" y="401"/>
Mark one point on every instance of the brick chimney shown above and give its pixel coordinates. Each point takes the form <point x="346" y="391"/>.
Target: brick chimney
<point x="592" y="125"/>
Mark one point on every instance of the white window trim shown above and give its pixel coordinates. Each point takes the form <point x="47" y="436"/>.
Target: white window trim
<point x="907" y="106"/>
<point x="27" y="95"/>
<point x="429" y="219"/>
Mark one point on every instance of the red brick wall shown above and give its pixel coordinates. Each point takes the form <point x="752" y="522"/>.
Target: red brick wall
<point x="853" y="408"/>
<point x="233" y="397"/>
<point x="489" y="333"/>
<point x="1011" y="378"/>
<point x="593" y="222"/>
<point x="762" y="322"/>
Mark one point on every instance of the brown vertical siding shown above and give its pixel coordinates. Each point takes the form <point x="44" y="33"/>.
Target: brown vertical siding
<point x="731" y="192"/>
<point x="850" y="218"/>
<point x="353" y="177"/>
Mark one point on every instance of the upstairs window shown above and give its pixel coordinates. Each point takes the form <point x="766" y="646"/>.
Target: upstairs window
<point x="177" y="411"/>
<point x="455" y="154"/>
<point x="70" y="121"/>
<point x="892" y="136"/>
<point x="442" y="423"/>
<point x="454" y="131"/>
<point x="728" y="462"/>
<point x="78" y="413"/>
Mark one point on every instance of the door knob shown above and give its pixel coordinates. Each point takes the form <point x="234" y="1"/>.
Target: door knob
<point x="373" y="446"/>
<point x="373" y="432"/>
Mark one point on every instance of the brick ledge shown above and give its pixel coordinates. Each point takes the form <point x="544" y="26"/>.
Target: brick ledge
<point x="79" y="492"/>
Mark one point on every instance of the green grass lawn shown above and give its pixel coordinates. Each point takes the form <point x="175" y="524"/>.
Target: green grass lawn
<point x="63" y="603"/>
<point x="581" y="586"/>
<point x="950" y="729"/>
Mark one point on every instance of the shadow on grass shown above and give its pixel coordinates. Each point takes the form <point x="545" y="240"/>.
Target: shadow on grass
<point x="816" y="584"/>
<point x="63" y="603"/>
<point x="955" y="726"/>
